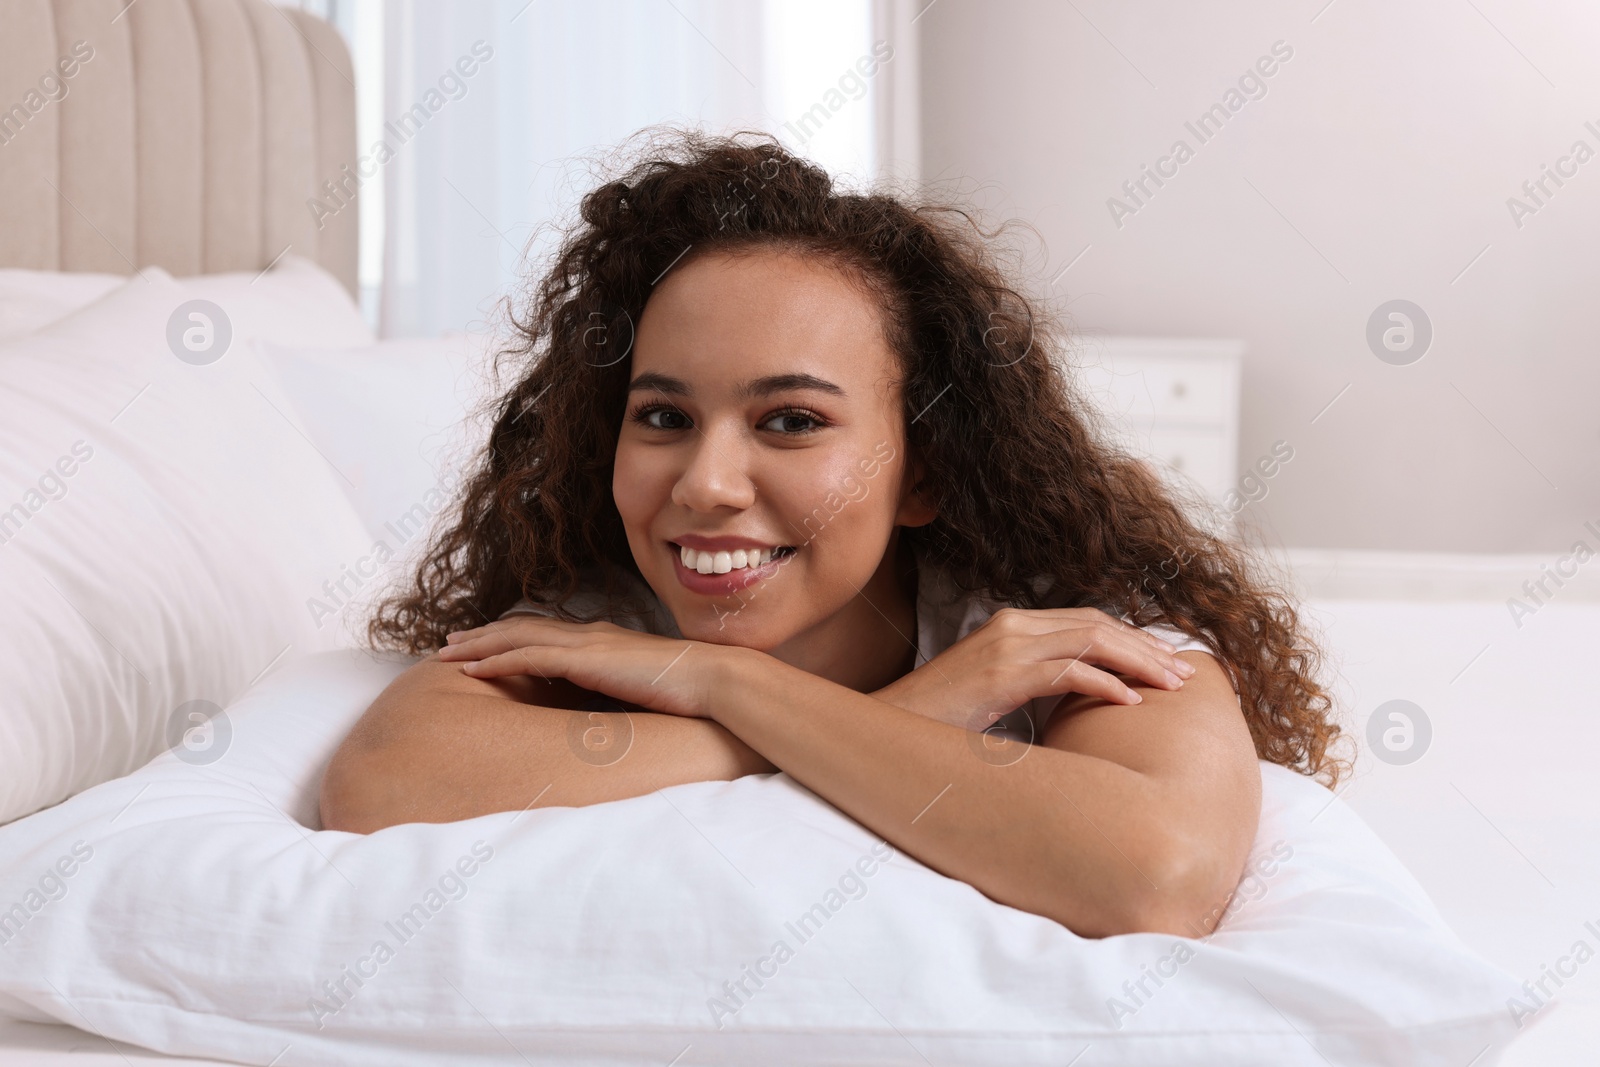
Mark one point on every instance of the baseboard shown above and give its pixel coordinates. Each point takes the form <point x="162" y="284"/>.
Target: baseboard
<point x="1350" y="574"/>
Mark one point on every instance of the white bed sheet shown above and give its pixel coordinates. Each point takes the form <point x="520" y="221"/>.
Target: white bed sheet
<point x="1497" y="820"/>
<point x="25" y="1044"/>
<point x="1500" y="818"/>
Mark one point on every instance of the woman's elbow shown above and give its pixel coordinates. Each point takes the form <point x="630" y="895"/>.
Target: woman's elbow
<point x="1184" y="889"/>
<point x="353" y="797"/>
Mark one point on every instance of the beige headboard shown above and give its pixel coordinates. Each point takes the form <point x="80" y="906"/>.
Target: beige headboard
<point x="194" y="135"/>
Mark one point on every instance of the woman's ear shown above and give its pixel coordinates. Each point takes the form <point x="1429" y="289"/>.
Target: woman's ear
<point x="917" y="506"/>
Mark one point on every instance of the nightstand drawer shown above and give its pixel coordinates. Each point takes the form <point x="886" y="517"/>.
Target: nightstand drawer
<point x="1150" y="391"/>
<point x="1183" y="391"/>
<point x="1202" y="455"/>
<point x="1174" y="400"/>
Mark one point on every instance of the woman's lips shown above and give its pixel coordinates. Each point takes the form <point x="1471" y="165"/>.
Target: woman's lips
<point x="723" y="584"/>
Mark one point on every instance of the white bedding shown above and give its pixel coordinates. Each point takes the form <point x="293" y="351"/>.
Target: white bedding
<point x="162" y="525"/>
<point x="1500" y="818"/>
<point x="24" y="1044"/>
<point x="208" y="918"/>
<point x="211" y="910"/>
<point x="396" y="418"/>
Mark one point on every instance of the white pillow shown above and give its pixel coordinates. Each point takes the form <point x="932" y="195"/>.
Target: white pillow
<point x="163" y="527"/>
<point x="30" y="299"/>
<point x="294" y="303"/>
<point x="399" y="419"/>
<point x="396" y="417"/>
<point x="189" y="909"/>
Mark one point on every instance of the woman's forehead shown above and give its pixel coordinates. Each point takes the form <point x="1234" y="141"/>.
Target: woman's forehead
<point x="767" y="312"/>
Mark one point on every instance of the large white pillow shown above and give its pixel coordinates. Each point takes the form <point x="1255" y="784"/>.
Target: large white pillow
<point x="294" y="303"/>
<point x="30" y="299"/>
<point x="398" y="418"/>
<point x="193" y="910"/>
<point x="401" y="420"/>
<point x="163" y="528"/>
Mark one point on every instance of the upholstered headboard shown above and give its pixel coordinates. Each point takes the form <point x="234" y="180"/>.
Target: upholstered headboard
<point x="195" y="135"/>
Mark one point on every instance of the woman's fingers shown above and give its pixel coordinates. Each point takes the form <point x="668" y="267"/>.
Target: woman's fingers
<point x="1106" y="647"/>
<point x="477" y="647"/>
<point x="457" y="637"/>
<point x="1156" y="653"/>
<point x="498" y="637"/>
<point x="516" y="661"/>
<point x="1092" y="616"/>
<point x="1079" y="677"/>
<point x="1129" y="628"/>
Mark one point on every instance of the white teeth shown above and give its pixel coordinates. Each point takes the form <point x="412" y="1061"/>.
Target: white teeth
<point x="723" y="562"/>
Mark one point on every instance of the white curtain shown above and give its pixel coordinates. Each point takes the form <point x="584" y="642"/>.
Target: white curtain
<point x="485" y="120"/>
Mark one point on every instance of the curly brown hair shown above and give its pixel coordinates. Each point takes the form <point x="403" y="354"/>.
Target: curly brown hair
<point x="1027" y="482"/>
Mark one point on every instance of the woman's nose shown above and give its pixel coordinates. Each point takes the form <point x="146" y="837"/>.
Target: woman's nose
<point x="715" y="474"/>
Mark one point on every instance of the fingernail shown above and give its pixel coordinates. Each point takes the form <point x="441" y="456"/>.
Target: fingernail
<point x="1184" y="668"/>
<point x="1135" y="698"/>
<point x="1173" y="679"/>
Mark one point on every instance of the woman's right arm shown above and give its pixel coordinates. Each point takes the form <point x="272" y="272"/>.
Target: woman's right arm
<point x="439" y="745"/>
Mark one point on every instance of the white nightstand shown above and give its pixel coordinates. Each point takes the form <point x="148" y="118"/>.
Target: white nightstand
<point x="1174" y="400"/>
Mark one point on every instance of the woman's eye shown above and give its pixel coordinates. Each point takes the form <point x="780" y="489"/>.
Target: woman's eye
<point x="645" y="416"/>
<point x="792" y="423"/>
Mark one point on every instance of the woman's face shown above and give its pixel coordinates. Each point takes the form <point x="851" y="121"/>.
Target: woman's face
<point x="763" y="413"/>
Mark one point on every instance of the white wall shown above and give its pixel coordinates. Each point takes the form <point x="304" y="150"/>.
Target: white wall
<point x="1377" y="166"/>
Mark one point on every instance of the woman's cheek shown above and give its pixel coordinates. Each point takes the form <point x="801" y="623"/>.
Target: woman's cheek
<point x="635" y="485"/>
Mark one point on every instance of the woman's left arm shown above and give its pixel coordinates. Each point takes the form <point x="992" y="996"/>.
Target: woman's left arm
<point x="1122" y="818"/>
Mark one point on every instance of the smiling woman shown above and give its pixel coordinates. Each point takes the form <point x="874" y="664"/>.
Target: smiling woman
<point x="790" y="474"/>
<point x="763" y="380"/>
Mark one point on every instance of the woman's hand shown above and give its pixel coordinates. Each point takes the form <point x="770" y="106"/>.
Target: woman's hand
<point x="653" y="673"/>
<point x="1019" y="654"/>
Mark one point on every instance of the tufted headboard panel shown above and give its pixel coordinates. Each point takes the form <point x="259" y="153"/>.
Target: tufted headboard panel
<point x="195" y="135"/>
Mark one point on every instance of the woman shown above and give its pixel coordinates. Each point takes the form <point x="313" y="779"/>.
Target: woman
<point x="791" y="475"/>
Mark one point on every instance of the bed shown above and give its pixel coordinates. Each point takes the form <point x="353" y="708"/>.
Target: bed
<point x="194" y="417"/>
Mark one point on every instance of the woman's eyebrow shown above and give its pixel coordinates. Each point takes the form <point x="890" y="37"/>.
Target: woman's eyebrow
<point x="756" y="387"/>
